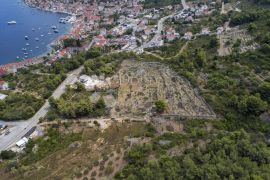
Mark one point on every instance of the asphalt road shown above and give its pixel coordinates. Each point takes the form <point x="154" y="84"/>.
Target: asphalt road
<point x="20" y="128"/>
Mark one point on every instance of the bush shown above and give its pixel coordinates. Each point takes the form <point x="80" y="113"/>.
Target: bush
<point x="109" y="170"/>
<point x="160" y="106"/>
<point x="94" y="173"/>
<point x="7" y="155"/>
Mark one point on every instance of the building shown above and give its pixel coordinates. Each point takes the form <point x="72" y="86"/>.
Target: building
<point x="205" y="31"/>
<point x="2" y="96"/>
<point x="3" y="85"/>
<point x="220" y="30"/>
<point x="21" y="143"/>
<point x="99" y="41"/>
<point x="188" y="35"/>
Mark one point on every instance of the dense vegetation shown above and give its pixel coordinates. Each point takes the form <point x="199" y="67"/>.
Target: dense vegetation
<point x="76" y="103"/>
<point x="106" y="64"/>
<point x="227" y="155"/>
<point x="19" y="106"/>
<point x="159" y="3"/>
<point x="71" y="43"/>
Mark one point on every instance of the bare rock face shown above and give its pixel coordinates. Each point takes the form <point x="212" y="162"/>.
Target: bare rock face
<point x="141" y="84"/>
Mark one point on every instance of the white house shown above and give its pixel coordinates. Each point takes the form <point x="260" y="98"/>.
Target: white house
<point x="3" y="85"/>
<point x="188" y="35"/>
<point x="220" y="30"/>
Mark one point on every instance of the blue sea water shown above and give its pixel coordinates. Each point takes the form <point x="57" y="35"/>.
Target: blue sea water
<point x="12" y="37"/>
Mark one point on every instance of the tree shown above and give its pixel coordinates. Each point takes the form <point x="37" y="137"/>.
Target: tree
<point x="80" y="87"/>
<point x="213" y="43"/>
<point x="264" y="90"/>
<point x="252" y="27"/>
<point x="200" y="58"/>
<point x="93" y="53"/>
<point x="252" y="105"/>
<point x="160" y="106"/>
<point x="7" y="154"/>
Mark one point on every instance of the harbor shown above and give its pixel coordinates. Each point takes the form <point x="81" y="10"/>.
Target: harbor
<point x="26" y="39"/>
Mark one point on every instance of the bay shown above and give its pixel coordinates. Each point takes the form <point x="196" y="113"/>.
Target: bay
<point x="12" y="37"/>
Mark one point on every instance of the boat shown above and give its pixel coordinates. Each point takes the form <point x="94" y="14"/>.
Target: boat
<point x="33" y="29"/>
<point x="37" y="39"/>
<point x="54" y="27"/>
<point x="11" y="22"/>
<point x="49" y="33"/>
<point x="23" y="49"/>
<point x="62" y="20"/>
<point x="27" y="44"/>
<point x="17" y="57"/>
<point x="31" y="50"/>
<point x="56" y="31"/>
<point x="25" y="53"/>
<point x="42" y="35"/>
<point x="26" y="37"/>
<point x="37" y="47"/>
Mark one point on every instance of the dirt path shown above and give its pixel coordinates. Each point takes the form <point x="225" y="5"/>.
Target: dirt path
<point x="162" y="58"/>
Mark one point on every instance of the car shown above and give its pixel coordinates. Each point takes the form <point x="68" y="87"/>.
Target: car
<point x="7" y="132"/>
<point x="3" y="126"/>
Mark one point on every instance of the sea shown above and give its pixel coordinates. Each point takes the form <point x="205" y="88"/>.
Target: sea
<point x="34" y="23"/>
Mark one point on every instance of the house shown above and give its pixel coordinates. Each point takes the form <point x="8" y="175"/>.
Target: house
<point x="99" y="41"/>
<point x="2" y="96"/>
<point x="3" y="85"/>
<point x="188" y="35"/>
<point x="220" y="30"/>
<point x="205" y="31"/>
<point x="2" y="71"/>
<point x="171" y="34"/>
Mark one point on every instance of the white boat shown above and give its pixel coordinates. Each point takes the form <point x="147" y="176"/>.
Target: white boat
<point x="37" y="47"/>
<point x="26" y="37"/>
<point x="54" y="27"/>
<point x="33" y="29"/>
<point x="23" y="49"/>
<point x="37" y="39"/>
<point x="56" y="31"/>
<point x="27" y="44"/>
<point x="11" y="22"/>
<point x="25" y="53"/>
<point x="49" y="33"/>
<point x="42" y="35"/>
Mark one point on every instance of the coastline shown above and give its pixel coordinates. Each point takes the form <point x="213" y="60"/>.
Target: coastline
<point x="39" y="58"/>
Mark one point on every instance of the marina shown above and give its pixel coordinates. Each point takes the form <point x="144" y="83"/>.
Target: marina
<point x="22" y="35"/>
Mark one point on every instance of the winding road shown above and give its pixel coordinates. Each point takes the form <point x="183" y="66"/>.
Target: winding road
<point x="20" y="128"/>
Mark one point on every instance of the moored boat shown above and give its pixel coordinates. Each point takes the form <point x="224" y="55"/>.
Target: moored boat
<point x="11" y="22"/>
